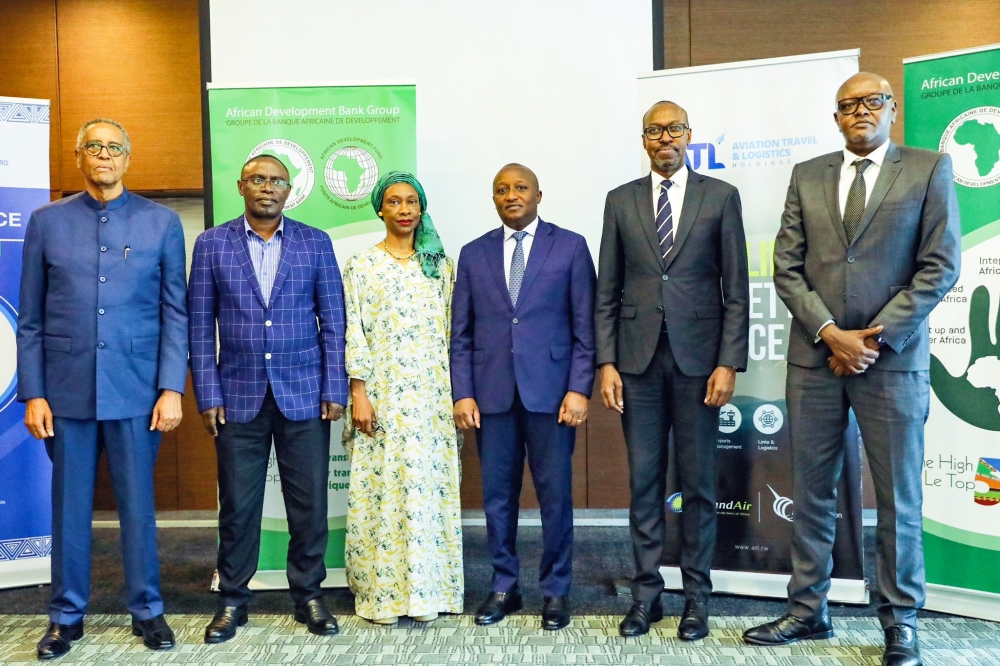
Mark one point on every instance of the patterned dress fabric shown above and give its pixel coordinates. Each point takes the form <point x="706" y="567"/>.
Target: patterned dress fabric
<point x="404" y="530"/>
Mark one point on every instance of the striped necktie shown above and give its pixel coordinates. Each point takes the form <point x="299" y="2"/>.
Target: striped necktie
<point x="854" y="209"/>
<point x="516" y="267"/>
<point x="665" y="221"/>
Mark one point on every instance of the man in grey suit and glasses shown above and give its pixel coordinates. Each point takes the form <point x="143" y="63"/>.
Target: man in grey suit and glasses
<point x="869" y="243"/>
<point x="672" y="332"/>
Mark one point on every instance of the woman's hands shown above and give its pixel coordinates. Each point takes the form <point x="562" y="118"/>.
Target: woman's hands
<point x="362" y="412"/>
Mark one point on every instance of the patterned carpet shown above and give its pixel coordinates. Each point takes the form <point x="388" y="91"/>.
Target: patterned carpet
<point x="277" y="639"/>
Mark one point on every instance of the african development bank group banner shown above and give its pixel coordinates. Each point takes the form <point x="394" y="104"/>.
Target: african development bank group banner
<point x="953" y="106"/>
<point x="25" y="470"/>
<point x="335" y="140"/>
<point x="751" y="122"/>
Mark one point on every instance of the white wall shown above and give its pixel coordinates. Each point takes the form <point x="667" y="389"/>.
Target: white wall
<point x="548" y="83"/>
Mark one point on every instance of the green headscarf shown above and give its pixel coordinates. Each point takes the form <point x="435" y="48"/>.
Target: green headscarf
<point x="426" y="242"/>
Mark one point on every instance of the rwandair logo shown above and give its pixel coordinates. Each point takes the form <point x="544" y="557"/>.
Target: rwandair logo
<point x="974" y="395"/>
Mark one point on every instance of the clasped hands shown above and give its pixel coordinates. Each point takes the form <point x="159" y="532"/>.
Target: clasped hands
<point x="853" y="351"/>
<point x="572" y="412"/>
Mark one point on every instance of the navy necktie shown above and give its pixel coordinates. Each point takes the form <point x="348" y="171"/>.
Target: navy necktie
<point x="516" y="267"/>
<point x="664" y="221"/>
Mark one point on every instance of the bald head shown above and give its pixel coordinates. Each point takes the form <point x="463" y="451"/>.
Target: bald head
<point x="675" y="110"/>
<point x="515" y="169"/>
<point x="863" y="81"/>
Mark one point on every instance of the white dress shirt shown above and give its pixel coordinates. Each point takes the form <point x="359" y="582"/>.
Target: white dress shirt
<point x="675" y="195"/>
<point x="847" y="173"/>
<point x="509" y="243"/>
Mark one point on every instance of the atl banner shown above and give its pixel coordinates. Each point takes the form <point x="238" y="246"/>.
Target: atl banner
<point x="335" y="141"/>
<point x="752" y="141"/>
<point x="953" y="106"/>
<point x="25" y="471"/>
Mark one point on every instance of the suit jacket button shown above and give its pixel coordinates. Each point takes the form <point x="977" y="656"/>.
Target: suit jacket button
<point x="104" y="219"/>
<point x="104" y="248"/>
<point x="100" y="345"/>
<point x="104" y="279"/>
<point x="850" y="260"/>
<point x="659" y="309"/>
<point x="101" y="311"/>
<point x="665" y="278"/>
<point x="267" y="323"/>
<point x="515" y="320"/>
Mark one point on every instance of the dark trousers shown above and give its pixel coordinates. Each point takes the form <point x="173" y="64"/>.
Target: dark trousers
<point x="303" y="452"/>
<point x="131" y="450"/>
<point x="891" y="408"/>
<point x="659" y="399"/>
<point x="503" y="440"/>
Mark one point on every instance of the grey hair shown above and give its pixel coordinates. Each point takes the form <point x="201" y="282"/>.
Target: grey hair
<point x="103" y="121"/>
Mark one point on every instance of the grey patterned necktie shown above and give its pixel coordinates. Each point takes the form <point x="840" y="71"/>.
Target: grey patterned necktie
<point x="516" y="267"/>
<point x="854" y="210"/>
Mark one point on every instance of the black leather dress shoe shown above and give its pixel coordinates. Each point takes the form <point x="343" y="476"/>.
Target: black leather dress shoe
<point x="901" y="646"/>
<point x="57" y="639"/>
<point x="156" y="635"/>
<point x="789" y="629"/>
<point x="498" y="606"/>
<point x="555" y="613"/>
<point x="694" y="621"/>
<point x="317" y="618"/>
<point x="223" y="625"/>
<point x="640" y="616"/>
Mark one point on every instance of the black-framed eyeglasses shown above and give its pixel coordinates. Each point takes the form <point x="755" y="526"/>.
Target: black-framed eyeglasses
<point x="94" y="148"/>
<point x="872" y="102"/>
<point x="258" y="182"/>
<point x="654" y="132"/>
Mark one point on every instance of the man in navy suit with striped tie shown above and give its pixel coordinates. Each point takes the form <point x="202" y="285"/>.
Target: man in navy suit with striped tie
<point x="273" y="286"/>
<point x="672" y="332"/>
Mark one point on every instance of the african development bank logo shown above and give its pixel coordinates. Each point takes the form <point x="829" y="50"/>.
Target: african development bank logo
<point x="300" y="167"/>
<point x="8" y="354"/>
<point x="351" y="173"/>
<point x="973" y="141"/>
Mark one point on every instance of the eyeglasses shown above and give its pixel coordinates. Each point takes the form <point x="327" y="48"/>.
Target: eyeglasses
<point x="258" y="182"/>
<point x="872" y="103"/>
<point x="94" y="149"/>
<point x="676" y="131"/>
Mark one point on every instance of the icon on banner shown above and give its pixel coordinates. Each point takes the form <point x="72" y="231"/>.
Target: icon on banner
<point x="973" y="141"/>
<point x="351" y="173"/>
<point x="988" y="482"/>
<point x="768" y="419"/>
<point x="674" y="503"/>
<point x="8" y="354"/>
<point x="730" y="418"/>
<point x="300" y="167"/>
<point x="781" y="505"/>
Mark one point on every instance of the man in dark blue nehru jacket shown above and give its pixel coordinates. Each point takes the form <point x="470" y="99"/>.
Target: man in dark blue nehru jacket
<point x="102" y="361"/>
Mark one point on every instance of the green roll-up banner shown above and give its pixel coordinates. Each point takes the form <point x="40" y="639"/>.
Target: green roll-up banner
<point x="952" y="105"/>
<point x="335" y="140"/>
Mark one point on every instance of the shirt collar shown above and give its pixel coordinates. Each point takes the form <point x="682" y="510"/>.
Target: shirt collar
<point x="508" y="233"/>
<point x="114" y="204"/>
<point x="877" y="156"/>
<point x="679" y="179"/>
<point x="278" y="232"/>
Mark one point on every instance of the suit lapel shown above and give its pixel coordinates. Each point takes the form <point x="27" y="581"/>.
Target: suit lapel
<point x="886" y="176"/>
<point x="831" y="190"/>
<point x="289" y="245"/>
<point x="238" y="238"/>
<point x="694" y="193"/>
<point x="643" y="193"/>
<point x="540" y="247"/>
<point x="494" y="261"/>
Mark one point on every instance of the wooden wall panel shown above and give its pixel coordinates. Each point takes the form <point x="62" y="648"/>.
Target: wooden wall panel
<point x="29" y="65"/>
<point x="136" y="61"/>
<point x="886" y="32"/>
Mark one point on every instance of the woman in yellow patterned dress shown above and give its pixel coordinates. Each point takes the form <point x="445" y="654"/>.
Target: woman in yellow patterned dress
<point x="404" y="531"/>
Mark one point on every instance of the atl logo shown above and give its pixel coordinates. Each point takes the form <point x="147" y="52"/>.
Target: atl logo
<point x="696" y="152"/>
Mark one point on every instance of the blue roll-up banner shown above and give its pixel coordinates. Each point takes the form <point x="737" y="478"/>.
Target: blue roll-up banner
<point x="25" y="470"/>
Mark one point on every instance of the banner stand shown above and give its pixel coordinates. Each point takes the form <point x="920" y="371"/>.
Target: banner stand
<point x="757" y="584"/>
<point x="25" y="469"/>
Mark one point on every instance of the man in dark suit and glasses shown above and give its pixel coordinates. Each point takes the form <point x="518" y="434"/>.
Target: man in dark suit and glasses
<point x="672" y="332"/>
<point x="869" y="244"/>
<point x="273" y="287"/>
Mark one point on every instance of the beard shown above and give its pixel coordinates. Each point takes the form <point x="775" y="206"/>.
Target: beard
<point x="669" y="165"/>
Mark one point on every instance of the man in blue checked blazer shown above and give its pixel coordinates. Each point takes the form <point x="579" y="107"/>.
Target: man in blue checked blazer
<point x="273" y="287"/>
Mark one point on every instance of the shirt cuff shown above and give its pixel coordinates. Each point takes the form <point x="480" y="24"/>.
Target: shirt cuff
<point x="825" y="324"/>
